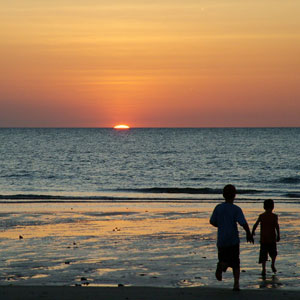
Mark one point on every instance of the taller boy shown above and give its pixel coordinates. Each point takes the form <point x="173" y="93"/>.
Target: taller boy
<point x="225" y="217"/>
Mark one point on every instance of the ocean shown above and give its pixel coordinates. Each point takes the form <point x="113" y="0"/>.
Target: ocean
<point x="102" y="207"/>
<point x="149" y="164"/>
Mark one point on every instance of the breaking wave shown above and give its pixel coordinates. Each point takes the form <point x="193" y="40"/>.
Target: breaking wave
<point x="289" y="180"/>
<point x="177" y="190"/>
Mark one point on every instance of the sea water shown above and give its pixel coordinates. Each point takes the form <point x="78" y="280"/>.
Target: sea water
<point x="160" y="163"/>
<point x="104" y="207"/>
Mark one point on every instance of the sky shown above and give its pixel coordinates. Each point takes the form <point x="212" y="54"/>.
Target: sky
<point x="149" y="63"/>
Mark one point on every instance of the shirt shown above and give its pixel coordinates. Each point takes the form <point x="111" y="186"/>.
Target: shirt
<point x="268" y="223"/>
<point x="226" y="216"/>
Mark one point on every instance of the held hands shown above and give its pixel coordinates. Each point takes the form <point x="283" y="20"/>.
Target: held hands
<point x="249" y="235"/>
<point x="250" y="238"/>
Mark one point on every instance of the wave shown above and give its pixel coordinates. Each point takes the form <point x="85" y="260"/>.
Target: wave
<point x="293" y="195"/>
<point x="19" y="175"/>
<point x="177" y="190"/>
<point x="152" y="194"/>
<point x="289" y="180"/>
<point x="131" y="192"/>
<point x="174" y="190"/>
<point x="29" y="198"/>
<point x="52" y="197"/>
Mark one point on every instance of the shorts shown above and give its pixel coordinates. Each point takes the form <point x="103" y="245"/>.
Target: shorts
<point x="265" y="249"/>
<point x="230" y="255"/>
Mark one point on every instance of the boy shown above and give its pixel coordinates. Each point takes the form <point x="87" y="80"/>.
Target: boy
<point x="225" y="217"/>
<point x="269" y="235"/>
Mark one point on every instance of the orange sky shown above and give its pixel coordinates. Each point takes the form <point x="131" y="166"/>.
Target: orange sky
<point x="167" y="63"/>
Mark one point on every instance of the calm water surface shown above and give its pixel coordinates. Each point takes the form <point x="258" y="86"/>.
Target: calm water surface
<point x="146" y="164"/>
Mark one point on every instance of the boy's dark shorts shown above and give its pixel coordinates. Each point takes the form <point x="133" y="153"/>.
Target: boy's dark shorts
<point x="266" y="249"/>
<point x="230" y="255"/>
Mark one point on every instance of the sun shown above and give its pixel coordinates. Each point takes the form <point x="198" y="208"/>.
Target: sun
<point x="121" y="126"/>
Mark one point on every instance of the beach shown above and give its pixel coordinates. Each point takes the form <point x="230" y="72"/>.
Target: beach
<point x="168" y="245"/>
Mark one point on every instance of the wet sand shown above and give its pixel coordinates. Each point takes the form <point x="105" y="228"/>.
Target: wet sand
<point x="135" y="244"/>
<point x="138" y="293"/>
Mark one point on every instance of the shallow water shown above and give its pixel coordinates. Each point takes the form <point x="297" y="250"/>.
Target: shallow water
<point x="139" y="244"/>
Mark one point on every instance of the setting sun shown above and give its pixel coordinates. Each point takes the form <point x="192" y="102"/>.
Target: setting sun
<point x="121" y="126"/>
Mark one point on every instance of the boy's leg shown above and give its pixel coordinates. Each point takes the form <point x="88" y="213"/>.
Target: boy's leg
<point x="263" y="257"/>
<point x="221" y="267"/>
<point x="273" y="264"/>
<point x="273" y="255"/>
<point x="221" y="263"/>
<point x="263" y="272"/>
<point x="236" y="276"/>
<point x="219" y="271"/>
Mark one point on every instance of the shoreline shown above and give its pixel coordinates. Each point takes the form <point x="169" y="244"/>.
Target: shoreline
<point x="157" y="245"/>
<point x="137" y="293"/>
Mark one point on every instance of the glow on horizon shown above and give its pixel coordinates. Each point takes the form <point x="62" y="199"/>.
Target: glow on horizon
<point x="168" y="63"/>
<point x="121" y="127"/>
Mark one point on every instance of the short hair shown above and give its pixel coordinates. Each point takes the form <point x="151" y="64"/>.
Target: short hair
<point x="268" y="204"/>
<point x="229" y="192"/>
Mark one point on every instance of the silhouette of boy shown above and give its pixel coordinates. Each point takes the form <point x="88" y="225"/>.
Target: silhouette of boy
<point x="269" y="235"/>
<point x="225" y="217"/>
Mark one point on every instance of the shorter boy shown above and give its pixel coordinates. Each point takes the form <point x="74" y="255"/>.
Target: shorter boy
<point x="269" y="235"/>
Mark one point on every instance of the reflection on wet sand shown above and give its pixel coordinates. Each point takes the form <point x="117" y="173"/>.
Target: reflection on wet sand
<point x="272" y="282"/>
<point x="152" y="244"/>
<point x="121" y="222"/>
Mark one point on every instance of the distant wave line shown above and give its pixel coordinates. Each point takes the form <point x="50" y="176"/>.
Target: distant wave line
<point x="143" y="200"/>
<point x="289" y="180"/>
<point x="177" y="190"/>
<point x="32" y="198"/>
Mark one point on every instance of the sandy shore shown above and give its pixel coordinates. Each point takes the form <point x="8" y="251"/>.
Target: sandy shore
<point x="161" y="245"/>
<point x="139" y="293"/>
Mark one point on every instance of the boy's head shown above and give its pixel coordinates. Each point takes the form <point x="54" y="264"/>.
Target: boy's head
<point x="269" y="204"/>
<point x="229" y="192"/>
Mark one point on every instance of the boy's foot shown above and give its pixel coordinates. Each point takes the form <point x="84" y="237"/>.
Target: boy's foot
<point x="224" y="268"/>
<point x="219" y="272"/>
<point x="273" y="269"/>
<point x="236" y="288"/>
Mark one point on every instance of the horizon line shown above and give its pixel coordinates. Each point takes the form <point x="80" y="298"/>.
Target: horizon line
<point x="145" y="127"/>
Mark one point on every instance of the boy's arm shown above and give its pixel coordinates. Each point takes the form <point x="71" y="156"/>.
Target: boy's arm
<point x="213" y="222"/>
<point x="255" y="226"/>
<point x="278" y="231"/>
<point x="242" y="221"/>
<point x="213" y="219"/>
<point x="249" y="235"/>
